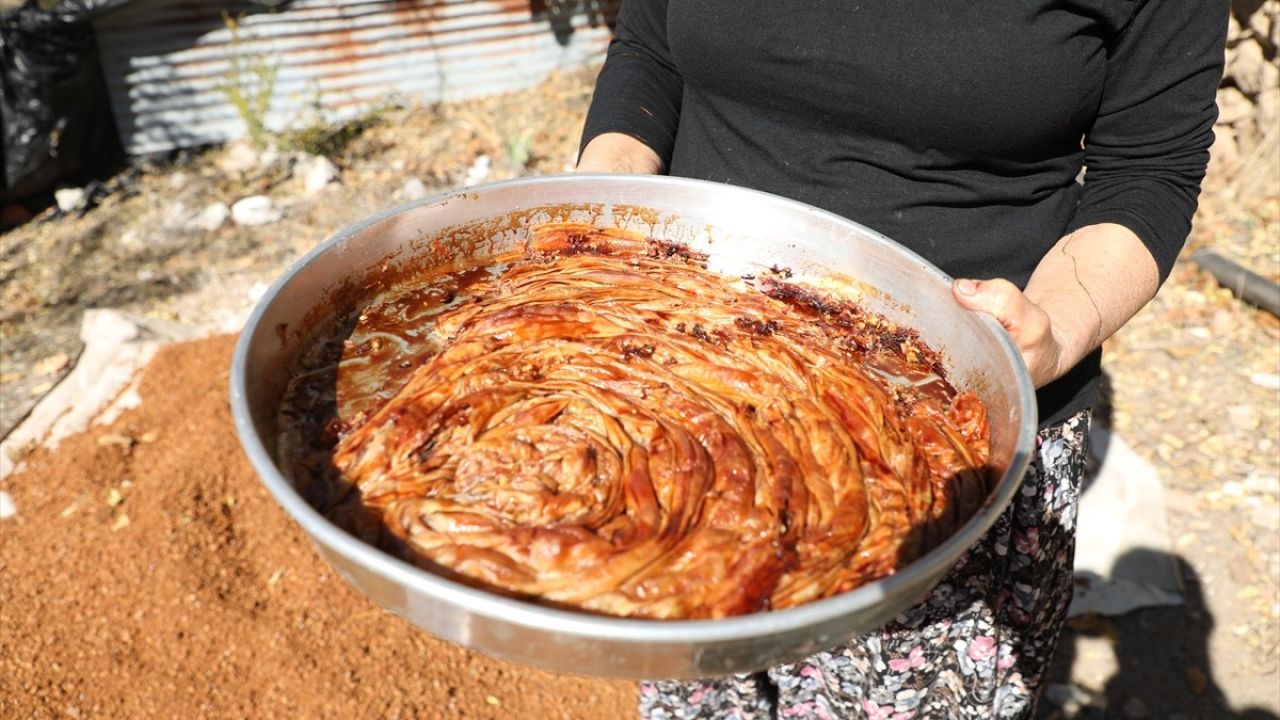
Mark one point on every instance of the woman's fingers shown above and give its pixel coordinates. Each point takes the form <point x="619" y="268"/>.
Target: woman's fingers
<point x="999" y="298"/>
<point x="1027" y="323"/>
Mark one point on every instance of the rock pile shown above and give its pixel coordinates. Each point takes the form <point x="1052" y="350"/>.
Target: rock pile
<point x="1249" y="97"/>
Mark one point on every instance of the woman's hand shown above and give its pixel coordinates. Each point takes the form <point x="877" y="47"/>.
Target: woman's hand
<point x="1083" y="290"/>
<point x="1026" y="322"/>
<point x="618" y="153"/>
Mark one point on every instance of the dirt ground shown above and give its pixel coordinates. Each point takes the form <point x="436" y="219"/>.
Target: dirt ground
<point x="157" y="578"/>
<point x="201" y="597"/>
<point x="1192" y="389"/>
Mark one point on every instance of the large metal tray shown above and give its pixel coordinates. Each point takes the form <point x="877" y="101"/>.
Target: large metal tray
<point x="742" y="230"/>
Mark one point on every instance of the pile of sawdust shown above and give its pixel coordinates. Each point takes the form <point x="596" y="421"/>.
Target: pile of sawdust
<point x="149" y="574"/>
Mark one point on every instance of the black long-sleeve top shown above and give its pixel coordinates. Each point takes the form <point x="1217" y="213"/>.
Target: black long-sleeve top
<point x="956" y="128"/>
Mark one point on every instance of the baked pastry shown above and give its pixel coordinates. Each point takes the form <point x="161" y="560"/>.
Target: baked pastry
<point x="607" y="425"/>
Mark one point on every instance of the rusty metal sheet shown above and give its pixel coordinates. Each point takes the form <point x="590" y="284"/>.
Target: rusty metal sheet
<point x="167" y="63"/>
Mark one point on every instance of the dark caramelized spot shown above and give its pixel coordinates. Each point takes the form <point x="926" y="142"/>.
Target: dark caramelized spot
<point x="633" y="351"/>
<point x="759" y="327"/>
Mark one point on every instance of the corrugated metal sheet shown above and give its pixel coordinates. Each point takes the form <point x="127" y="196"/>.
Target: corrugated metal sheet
<point x="167" y="62"/>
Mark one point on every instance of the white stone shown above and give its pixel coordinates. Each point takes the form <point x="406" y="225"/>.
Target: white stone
<point x="413" y="189"/>
<point x="1266" y="516"/>
<point x="1224" y="156"/>
<point x="317" y="173"/>
<point x="269" y="157"/>
<point x="255" y="210"/>
<point x="1244" y="417"/>
<point x="1268" y="103"/>
<point x="1263" y="24"/>
<point x="1248" y="136"/>
<point x="7" y="508"/>
<point x="1270" y="381"/>
<point x="239" y="157"/>
<point x="1066" y="696"/>
<point x="1270" y="77"/>
<point x="131" y="238"/>
<point x="478" y="171"/>
<point x="1273" y="37"/>
<point x="69" y="199"/>
<point x="257" y="290"/>
<point x="212" y="217"/>
<point x="1258" y="482"/>
<point x="1247" y="63"/>
<point x="1233" y="106"/>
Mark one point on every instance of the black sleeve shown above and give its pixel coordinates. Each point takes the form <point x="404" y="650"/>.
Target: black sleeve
<point x="1147" y="150"/>
<point x="638" y="90"/>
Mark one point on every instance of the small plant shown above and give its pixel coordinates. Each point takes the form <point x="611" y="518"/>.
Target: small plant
<point x="519" y="148"/>
<point x="250" y="82"/>
<point x="322" y="136"/>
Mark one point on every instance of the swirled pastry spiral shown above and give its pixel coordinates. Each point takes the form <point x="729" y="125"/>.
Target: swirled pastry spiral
<point x="609" y="426"/>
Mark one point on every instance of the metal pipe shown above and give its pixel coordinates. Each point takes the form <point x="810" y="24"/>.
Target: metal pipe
<point x="1243" y="282"/>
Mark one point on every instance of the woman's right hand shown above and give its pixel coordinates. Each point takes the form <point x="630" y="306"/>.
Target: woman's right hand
<point x="618" y="153"/>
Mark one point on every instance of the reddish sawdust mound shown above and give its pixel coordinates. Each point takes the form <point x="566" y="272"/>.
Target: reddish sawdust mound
<point x="209" y="602"/>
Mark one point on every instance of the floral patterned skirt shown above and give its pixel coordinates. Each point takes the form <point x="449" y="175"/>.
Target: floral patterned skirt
<point x="977" y="647"/>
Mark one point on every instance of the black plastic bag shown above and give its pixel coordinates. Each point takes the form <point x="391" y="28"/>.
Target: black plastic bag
<point x="56" y="115"/>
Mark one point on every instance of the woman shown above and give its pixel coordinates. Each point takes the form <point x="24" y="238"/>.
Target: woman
<point x="959" y="130"/>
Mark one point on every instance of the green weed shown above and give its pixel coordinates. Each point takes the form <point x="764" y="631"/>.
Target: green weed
<point x="249" y="84"/>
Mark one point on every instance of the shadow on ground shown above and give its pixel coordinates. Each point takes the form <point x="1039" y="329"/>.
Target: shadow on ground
<point x="1162" y="658"/>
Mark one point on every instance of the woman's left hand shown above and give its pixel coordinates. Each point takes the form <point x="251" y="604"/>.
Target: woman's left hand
<point x="1026" y="322"/>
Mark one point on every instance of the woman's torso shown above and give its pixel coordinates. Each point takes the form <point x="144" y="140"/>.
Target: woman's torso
<point x="953" y="128"/>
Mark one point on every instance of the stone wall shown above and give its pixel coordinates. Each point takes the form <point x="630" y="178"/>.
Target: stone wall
<point x="1248" y="128"/>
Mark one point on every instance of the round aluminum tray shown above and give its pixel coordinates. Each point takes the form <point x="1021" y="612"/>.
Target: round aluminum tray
<point x="743" y="231"/>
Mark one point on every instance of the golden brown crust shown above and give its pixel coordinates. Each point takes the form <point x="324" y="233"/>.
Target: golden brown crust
<point x="611" y="427"/>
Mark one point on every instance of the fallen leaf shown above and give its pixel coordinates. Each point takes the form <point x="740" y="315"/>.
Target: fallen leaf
<point x="1222" y="323"/>
<point x="122" y="521"/>
<point x="70" y="510"/>
<point x="1093" y="625"/>
<point x="41" y="389"/>
<point x="50" y="365"/>
<point x="1243" y="417"/>
<point x="492" y="700"/>
<point x="17" y="453"/>
<point x="1239" y="570"/>
<point x="1240" y="533"/>
<point x="148" y="436"/>
<point x="1197" y="681"/>
<point x="114" y="498"/>
<point x="275" y="576"/>
<point x="115" y="439"/>
<point x="1248" y="592"/>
